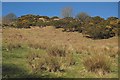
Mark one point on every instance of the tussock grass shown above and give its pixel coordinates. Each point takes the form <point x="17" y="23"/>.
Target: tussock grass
<point x="98" y="63"/>
<point x="52" y="50"/>
<point x="11" y="46"/>
<point x="37" y="45"/>
<point x="55" y="59"/>
<point x="57" y="51"/>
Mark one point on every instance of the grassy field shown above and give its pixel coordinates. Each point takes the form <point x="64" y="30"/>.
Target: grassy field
<point x="25" y="50"/>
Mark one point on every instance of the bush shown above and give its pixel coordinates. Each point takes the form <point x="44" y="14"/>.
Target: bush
<point x="98" y="62"/>
<point x="73" y="26"/>
<point x="92" y="27"/>
<point x="31" y="20"/>
<point x="98" y="31"/>
<point x="45" y="17"/>
<point x="54" y="17"/>
<point x="58" y="24"/>
<point x="23" y="24"/>
<point x="41" y="24"/>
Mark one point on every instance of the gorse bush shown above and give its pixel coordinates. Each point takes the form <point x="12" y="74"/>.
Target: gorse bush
<point x="31" y="20"/>
<point x="99" y="32"/>
<point x="98" y="63"/>
<point x="58" y="23"/>
<point x="92" y="27"/>
<point x="100" y="29"/>
<point x="54" y="17"/>
<point x="73" y="26"/>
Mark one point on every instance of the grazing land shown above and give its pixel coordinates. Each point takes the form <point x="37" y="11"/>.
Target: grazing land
<point x="50" y="52"/>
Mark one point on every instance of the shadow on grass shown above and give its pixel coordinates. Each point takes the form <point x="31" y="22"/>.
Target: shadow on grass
<point x="13" y="71"/>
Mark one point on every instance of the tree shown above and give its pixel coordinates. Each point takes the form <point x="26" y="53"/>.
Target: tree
<point x="67" y="12"/>
<point x="9" y="18"/>
<point x="83" y="16"/>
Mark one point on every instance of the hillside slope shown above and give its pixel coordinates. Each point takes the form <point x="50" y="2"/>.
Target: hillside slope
<point x="18" y="43"/>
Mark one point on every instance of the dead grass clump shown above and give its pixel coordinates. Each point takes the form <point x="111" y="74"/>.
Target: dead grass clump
<point x="40" y="45"/>
<point x="113" y="52"/>
<point x="36" y="62"/>
<point x="64" y="52"/>
<point x="36" y="46"/>
<point x="11" y="46"/>
<point x="44" y="63"/>
<point x="57" y="51"/>
<point x="98" y="63"/>
<point x="55" y="59"/>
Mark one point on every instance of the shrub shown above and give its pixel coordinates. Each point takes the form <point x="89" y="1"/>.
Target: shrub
<point x="98" y="31"/>
<point x="97" y="19"/>
<point x="68" y="24"/>
<point x="45" y="17"/>
<point x="58" y="24"/>
<point x="98" y="62"/>
<point x="112" y="18"/>
<point x="68" y="18"/>
<point x="72" y="25"/>
<point x="31" y="20"/>
<point x="23" y="24"/>
<point x="54" y="17"/>
<point x="41" y="24"/>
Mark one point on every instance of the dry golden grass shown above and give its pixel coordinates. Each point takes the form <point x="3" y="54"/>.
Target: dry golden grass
<point x="48" y="36"/>
<point x="99" y="63"/>
<point x="54" y="59"/>
<point x="57" y="42"/>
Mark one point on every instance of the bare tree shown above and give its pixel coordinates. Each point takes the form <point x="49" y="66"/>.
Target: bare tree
<point x="9" y="18"/>
<point x="67" y="12"/>
<point x="83" y="16"/>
